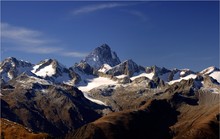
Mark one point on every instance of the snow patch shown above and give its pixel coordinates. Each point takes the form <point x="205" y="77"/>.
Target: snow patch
<point x="93" y="100"/>
<point x="191" y="76"/>
<point x="208" y="70"/>
<point x="121" y="76"/>
<point x="105" y="68"/>
<point x="35" y="68"/>
<point x="148" y="75"/>
<point x="216" y="75"/>
<point x="46" y="71"/>
<point x="9" y="75"/>
<point x="182" y="72"/>
<point x="95" y="82"/>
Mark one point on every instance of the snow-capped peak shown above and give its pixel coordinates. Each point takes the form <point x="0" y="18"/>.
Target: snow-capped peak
<point x="48" y="67"/>
<point x="209" y="70"/>
<point x="52" y="70"/>
<point x="212" y="72"/>
<point x="11" y="68"/>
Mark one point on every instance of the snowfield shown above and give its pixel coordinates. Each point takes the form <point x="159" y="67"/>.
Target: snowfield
<point x="148" y="75"/>
<point x="191" y="76"/>
<point x="96" y="82"/>
<point x="121" y="76"/>
<point x="46" y="71"/>
<point x="94" y="100"/>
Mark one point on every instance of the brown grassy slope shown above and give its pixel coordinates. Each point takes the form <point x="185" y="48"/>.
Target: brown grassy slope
<point x="200" y="121"/>
<point x="12" y="130"/>
<point x="151" y="121"/>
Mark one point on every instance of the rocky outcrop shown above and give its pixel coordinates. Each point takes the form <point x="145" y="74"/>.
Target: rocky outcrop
<point x="83" y="67"/>
<point x="127" y="67"/>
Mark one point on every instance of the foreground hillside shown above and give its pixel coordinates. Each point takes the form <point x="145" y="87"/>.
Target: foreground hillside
<point x="179" y="116"/>
<point x="12" y="130"/>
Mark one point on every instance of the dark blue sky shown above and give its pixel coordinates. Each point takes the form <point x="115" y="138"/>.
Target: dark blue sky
<point x="170" y="34"/>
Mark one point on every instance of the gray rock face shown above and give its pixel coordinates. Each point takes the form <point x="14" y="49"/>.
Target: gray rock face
<point x="83" y="67"/>
<point x="102" y="55"/>
<point x="128" y="67"/>
<point x="124" y="80"/>
<point x="157" y="70"/>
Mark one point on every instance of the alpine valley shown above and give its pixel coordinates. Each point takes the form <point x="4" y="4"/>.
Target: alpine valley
<point x="102" y="97"/>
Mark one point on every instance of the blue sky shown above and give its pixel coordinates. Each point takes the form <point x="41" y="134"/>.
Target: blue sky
<point x="166" y="34"/>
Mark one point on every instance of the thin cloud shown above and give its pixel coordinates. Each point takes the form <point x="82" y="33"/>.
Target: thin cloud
<point x="26" y="40"/>
<point x="138" y="14"/>
<point x="97" y="7"/>
<point x="31" y="41"/>
<point x="74" y="54"/>
<point x="21" y="35"/>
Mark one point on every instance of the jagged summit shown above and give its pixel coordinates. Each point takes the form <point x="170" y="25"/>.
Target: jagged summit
<point x="102" y="55"/>
<point x="48" y="67"/>
<point x="12" y="67"/>
<point x="52" y="70"/>
<point x="127" y="67"/>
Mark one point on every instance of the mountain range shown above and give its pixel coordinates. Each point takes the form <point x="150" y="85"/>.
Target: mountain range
<point x="102" y="97"/>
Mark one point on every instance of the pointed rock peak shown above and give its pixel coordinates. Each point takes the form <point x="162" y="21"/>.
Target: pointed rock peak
<point x="157" y="70"/>
<point x="47" y="62"/>
<point x="83" y="67"/>
<point x="130" y="63"/>
<point x="102" y="55"/>
<point x="153" y="69"/>
<point x="105" y="46"/>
